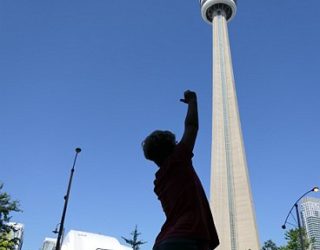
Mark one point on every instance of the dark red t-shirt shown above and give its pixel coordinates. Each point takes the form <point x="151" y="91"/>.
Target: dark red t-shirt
<point x="183" y="200"/>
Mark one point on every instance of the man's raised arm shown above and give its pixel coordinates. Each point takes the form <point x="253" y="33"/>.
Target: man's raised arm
<point x="191" y="124"/>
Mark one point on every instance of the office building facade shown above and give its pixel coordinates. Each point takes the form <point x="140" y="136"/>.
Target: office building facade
<point x="310" y="214"/>
<point x="49" y="244"/>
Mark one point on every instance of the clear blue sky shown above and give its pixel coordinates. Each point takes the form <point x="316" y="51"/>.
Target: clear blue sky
<point x="102" y="74"/>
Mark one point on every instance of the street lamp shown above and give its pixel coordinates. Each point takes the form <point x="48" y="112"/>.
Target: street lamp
<point x="295" y="205"/>
<point x="66" y="199"/>
<point x="55" y="231"/>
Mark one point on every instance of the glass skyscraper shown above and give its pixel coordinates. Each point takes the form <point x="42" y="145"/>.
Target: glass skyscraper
<point x="310" y="214"/>
<point x="17" y="232"/>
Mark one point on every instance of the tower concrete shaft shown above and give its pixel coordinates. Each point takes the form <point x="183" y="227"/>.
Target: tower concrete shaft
<point x="231" y="198"/>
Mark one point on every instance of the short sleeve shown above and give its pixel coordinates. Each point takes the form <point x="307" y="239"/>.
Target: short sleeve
<point x="182" y="151"/>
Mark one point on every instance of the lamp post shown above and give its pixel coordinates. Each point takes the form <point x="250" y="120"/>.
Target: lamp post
<point x="66" y="199"/>
<point x="56" y="231"/>
<point x="295" y="205"/>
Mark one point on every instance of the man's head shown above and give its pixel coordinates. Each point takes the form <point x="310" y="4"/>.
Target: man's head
<point x="158" y="145"/>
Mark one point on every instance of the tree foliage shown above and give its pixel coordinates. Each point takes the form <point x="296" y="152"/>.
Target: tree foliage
<point x="7" y="206"/>
<point x="269" y="245"/>
<point x="134" y="242"/>
<point x="293" y="241"/>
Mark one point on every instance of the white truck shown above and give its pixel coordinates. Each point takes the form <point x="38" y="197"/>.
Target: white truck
<point x="77" y="240"/>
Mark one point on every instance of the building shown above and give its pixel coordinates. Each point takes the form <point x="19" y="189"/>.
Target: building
<point x="49" y="244"/>
<point x="17" y="232"/>
<point x="310" y="214"/>
<point x="78" y="240"/>
<point x="231" y="199"/>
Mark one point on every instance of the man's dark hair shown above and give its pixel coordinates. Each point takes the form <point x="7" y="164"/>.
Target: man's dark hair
<point x="158" y="145"/>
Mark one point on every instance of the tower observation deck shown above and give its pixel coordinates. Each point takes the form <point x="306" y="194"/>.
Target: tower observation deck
<point x="210" y="7"/>
<point x="230" y="192"/>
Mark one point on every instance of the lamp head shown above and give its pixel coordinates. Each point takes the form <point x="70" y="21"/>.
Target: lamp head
<point x="55" y="231"/>
<point x="315" y="189"/>
<point x="78" y="150"/>
<point x="283" y="226"/>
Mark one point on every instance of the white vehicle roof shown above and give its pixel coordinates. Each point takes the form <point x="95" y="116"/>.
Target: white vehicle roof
<point x="78" y="240"/>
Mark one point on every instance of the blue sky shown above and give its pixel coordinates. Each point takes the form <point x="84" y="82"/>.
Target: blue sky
<point x="102" y="74"/>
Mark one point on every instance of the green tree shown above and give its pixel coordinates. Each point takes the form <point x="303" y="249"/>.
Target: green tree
<point x="269" y="245"/>
<point x="134" y="242"/>
<point x="293" y="239"/>
<point x="7" y="206"/>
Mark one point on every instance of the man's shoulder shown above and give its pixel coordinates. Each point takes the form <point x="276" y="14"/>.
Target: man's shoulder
<point x="183" y="149"/>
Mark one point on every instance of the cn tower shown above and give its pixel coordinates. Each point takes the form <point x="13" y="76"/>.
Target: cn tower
<point x="231" y="199"/>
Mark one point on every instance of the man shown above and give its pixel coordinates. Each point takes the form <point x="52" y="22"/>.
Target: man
<point x="189" y="224"/>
